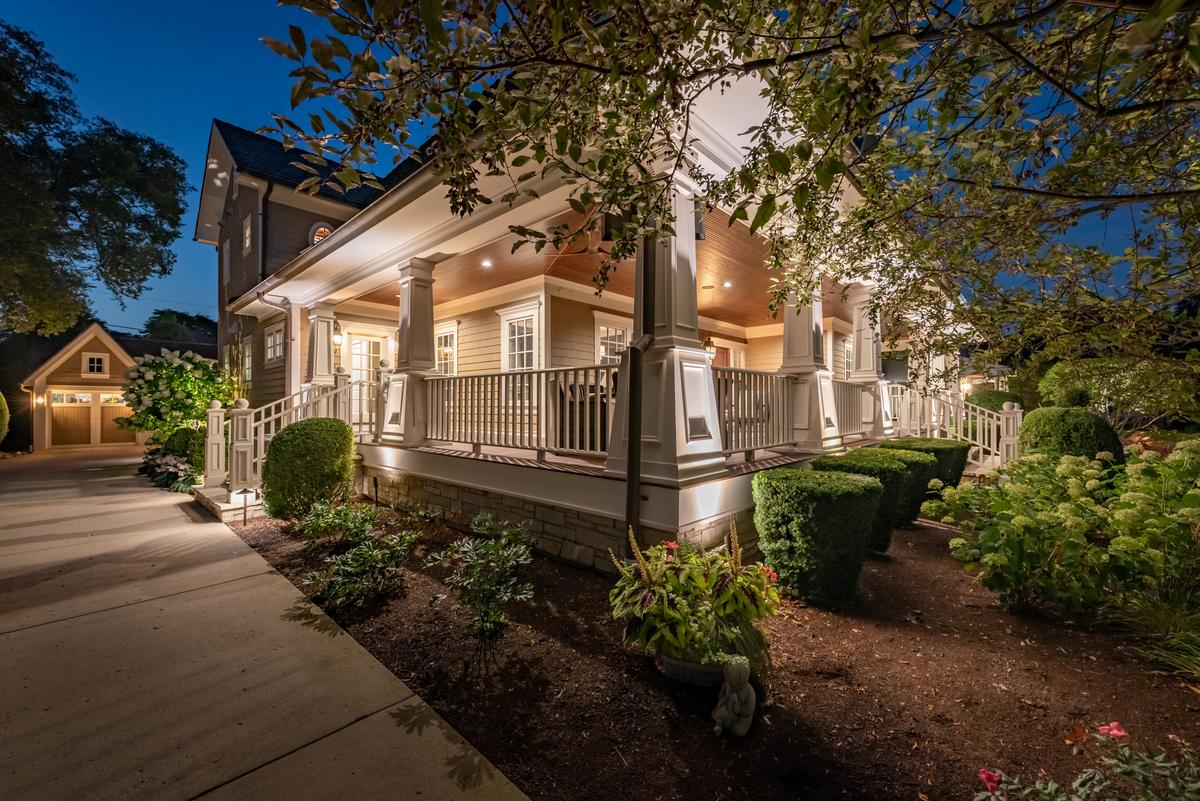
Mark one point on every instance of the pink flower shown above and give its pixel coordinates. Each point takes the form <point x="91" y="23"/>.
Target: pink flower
<point x="672" y="546"/>
<point x="991" y="779"/>
<point x="1175" y="738"/>
<point x="1113" y="729"/>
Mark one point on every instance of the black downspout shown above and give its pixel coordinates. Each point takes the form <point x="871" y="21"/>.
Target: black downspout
<point x="262" y="233"/>
<point x="642" y="342"/>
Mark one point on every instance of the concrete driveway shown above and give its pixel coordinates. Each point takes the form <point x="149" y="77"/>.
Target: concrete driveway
<point x="147" y="653"/>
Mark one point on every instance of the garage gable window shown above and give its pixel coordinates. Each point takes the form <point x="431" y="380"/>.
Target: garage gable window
<point x="95" y="365"/>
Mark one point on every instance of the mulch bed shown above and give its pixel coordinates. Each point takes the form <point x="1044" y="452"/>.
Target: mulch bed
<point x="904" y="695"/>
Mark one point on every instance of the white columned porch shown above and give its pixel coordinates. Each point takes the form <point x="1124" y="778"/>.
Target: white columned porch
<point x="681" y="435"/>
<point x="866" y="367"/>
<point x="814" y="414"/>
<point x="405" y="418"/>
<point x="320" y="345"/>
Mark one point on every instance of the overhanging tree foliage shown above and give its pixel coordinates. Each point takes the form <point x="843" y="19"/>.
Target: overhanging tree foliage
<point x="84" y="201"/>
<point x="993" y="144"/>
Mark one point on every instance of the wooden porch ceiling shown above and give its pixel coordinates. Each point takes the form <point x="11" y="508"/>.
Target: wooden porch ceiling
<point x="728" y="254"/>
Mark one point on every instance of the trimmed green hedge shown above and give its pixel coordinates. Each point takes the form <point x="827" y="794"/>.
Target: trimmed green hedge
<point x="951" y="454"/>
<point x="992" y="399"/>
<point x="308" y="462"/>
<point x="187" y="444"/>
<point x="890" y="472"/>
<point x="1069" y="431"/>
<point x="813" y="528"/>
<point x="921" y="468"/>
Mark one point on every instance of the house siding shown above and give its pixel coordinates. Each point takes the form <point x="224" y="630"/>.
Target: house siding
<point x="70" y="372"/>
<point x="478" y="340"/>
<point x="572" y="333"/>
<point x="287" y="232"/>
<point x="764" y="353"/>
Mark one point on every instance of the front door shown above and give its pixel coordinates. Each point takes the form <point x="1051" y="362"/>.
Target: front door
<point x="365" y="354"/>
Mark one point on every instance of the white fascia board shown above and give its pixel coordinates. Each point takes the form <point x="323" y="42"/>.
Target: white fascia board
<point x="214" y="187"/>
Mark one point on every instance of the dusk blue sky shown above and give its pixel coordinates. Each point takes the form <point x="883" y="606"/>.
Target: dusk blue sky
<point x="166" y="69"/>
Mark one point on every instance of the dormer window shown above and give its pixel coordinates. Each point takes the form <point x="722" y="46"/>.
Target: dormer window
<point x="319" y="232"/>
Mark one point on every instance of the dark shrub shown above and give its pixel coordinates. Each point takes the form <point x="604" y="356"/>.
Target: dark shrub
<point x="337" y="526"/>
<point x="922" y="468"/>
<point x="992" y="399"/>
<point x="813" y="528"/>
<point x="308" y="462"/>
<point x="4" y="417"/>
<point x="1069" y="431"/>
<point x="891" y="474"/>
<point x="951" y="454"/>
<point x="365" y="574"/>
<point x="187" y="444"/>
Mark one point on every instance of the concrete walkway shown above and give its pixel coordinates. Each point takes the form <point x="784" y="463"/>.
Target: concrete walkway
<point x="147" y="653"/>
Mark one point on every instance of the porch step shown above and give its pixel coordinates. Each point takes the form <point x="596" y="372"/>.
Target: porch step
<point x="229" y="510"/>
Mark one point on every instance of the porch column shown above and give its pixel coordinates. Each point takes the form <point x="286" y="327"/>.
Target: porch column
<point x="681" y="435"/>
<point x="866" y="368"/>
<point x="320" y="345"/>
<point x="406" y="415"/>
<point x="814" y="415"/>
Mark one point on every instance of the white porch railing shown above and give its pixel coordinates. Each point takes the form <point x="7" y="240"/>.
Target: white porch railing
<point x="848" y="402"/>
<point x="993" y="435"/>
<point x="563" y="410"/>
<point x="754" y="409"/>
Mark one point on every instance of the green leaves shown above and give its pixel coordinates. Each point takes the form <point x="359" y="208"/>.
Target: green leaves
<point x="766" y="210"/>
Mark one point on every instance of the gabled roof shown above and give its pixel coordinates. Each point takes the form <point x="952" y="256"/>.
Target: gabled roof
<point x="264" y="157"/>
<point x="123" y="347"/>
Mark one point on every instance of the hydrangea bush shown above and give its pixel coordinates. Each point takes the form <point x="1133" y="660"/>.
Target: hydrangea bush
<point x="1092" y="537"/>
<point x="172" y="391"/>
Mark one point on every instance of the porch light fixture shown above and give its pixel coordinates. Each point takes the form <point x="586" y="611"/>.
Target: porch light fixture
<point x="965" y="386"/>
<point x="486" y="264"/>
<point x="337" y="333"/>
<point x="711" y="347"/>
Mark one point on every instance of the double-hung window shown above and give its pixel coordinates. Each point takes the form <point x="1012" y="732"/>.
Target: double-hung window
<point x="273" y="343"/>
<point x="520" y="337"/>
<point x="612" y="337"/>
<point x="247" y="359"/>
<point x="445" y="345"/>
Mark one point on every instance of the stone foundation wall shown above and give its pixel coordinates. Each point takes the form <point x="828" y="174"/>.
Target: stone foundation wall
<point x="578" y="537"/>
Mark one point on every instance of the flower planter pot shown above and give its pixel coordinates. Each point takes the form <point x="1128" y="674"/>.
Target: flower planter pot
<point x="702" y="675"/>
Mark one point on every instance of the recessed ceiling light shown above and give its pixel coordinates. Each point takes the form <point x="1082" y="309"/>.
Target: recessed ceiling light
<point x="727" y="284"/>
<point x="485" y="263"/>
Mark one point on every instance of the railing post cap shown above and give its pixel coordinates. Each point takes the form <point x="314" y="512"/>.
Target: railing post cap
<point x="340" y="370"/>
<point x="1009" y="406"/>
<point x="241" y="403"/>
<point x="216" y="404"/>
<point x="384" y="364"/>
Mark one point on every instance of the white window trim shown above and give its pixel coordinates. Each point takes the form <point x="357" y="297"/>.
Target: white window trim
<point x="276" y="328"/>
<point x="83" y="365"/>
<point x="247" y="234"/>
<point x="602" y="318"/>
<point x="247" y="366"/>
<point x="737" y="352"/>
<point x="449" y="327"/>
<point x="530" y="308"/>
<point x="313" y="231"/>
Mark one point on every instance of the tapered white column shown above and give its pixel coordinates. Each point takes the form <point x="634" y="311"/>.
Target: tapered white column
<point x="814" y="416"/>
<point x="320" y="345"/>
<point x="405" y="415"/>
<point x="866" y="366"/>
<point x="681" y="435"/>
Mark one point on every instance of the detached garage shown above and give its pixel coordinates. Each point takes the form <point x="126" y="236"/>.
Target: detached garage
<point x="75" y="396"/>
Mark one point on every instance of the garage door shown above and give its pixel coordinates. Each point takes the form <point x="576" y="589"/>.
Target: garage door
<point x="111" y="408"/>
<point x="71" y="418"/>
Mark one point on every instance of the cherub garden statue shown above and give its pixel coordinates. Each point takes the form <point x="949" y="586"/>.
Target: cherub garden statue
<point x="735" y="708"/>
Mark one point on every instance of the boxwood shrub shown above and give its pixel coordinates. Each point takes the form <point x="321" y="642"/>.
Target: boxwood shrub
<point x="921" y="469"/>
<point x="951" y="454"/>
<point x="890" y="472"/>
<point x="1069" y="431"/>
<point x="813" y="528"/>
<point x="187" y="444"/>
<point x="308" y="462"/>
